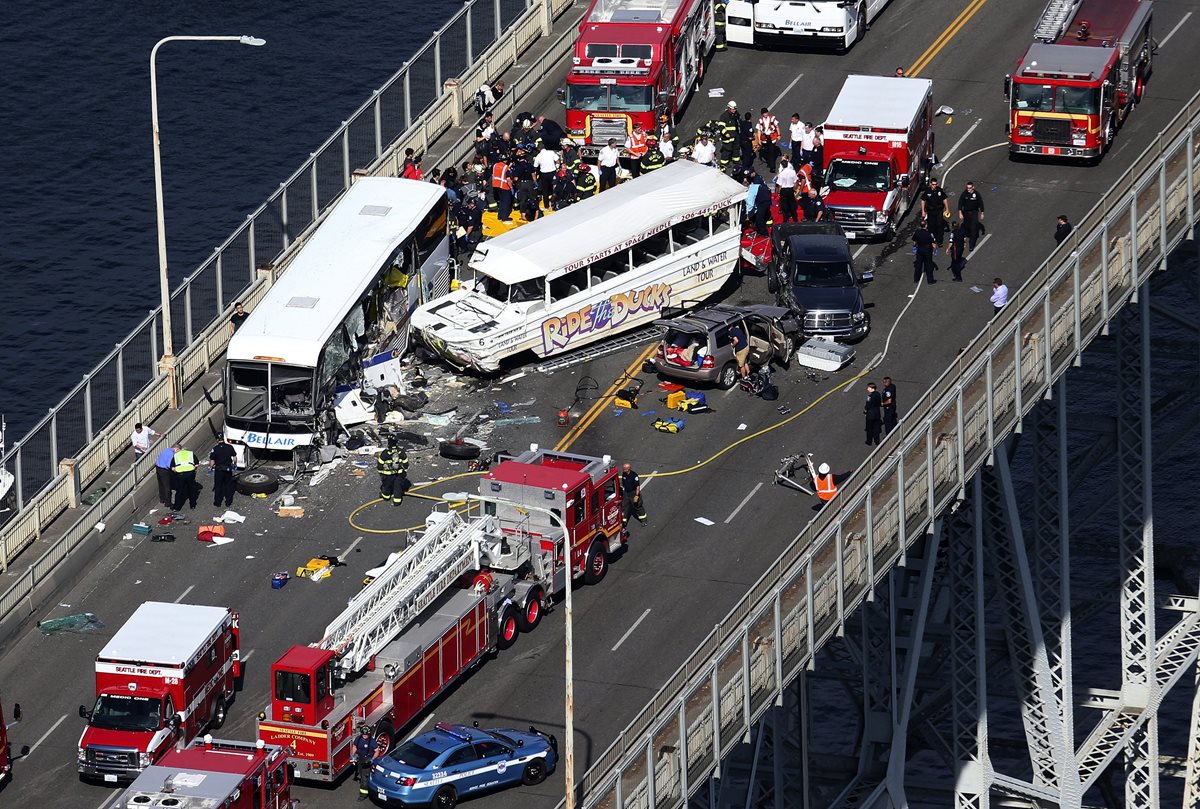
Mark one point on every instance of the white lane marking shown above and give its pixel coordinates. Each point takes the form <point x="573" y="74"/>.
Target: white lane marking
<point x="979" y="246"/>
<point x="705" y="521"/>
<point x="649" y="479"/>
<point x="184" y="594"/>
<point x="348" y="551"/>
<point x="858" y="252"/>
<point x="512" y="378"/>
<point x="419" y="728"/>
<point x="787" y="90"/>
<point x="1162" y="42"/>
<point x="46" y="735"/>
<point x="246" y="657"/>
<point x="112" y="797"/>
<point x="959" y="142"/>
<point x="632" y="627"/>
<point x="742" y="504"/>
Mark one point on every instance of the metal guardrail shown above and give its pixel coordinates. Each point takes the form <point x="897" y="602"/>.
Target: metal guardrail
<point x="707" y="706"/>
<point x="484" y="38"/>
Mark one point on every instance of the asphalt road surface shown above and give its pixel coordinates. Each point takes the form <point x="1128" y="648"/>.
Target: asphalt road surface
<point x="679" y="576"/>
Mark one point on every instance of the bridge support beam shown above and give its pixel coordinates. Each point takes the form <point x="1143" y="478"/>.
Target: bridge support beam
<point x="968" y="656"/>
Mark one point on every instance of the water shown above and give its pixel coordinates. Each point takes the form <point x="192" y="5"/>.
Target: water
<point x="78" y="257"/>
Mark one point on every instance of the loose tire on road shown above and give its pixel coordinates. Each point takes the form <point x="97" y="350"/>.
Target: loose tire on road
<point x="458" y="450"/>
<point x="257" y="481"/>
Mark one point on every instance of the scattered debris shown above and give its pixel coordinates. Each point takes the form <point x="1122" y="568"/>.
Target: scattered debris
<point x="230" y="516"/>
<point x="704" y="521"/>
<point x="741" y="426"/>
<point x="291" y="511"/>
<point x="221" y="540"/>
<point x="279" y="579"/>
<point x="141" y="529"/>
<point x="82" y="622"/>
<point x="100" y="527"/>
<point x="519" y="420"/>
<point x="162" y="538"/>
<point x="95" y="496"/>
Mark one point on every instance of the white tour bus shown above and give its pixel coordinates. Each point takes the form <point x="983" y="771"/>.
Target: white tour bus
<point x="601" y="266"/>
<point x="339" y="315"/>
<point x="830" y="23"/>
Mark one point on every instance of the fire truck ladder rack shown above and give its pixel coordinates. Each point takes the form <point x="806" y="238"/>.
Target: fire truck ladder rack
<point x="1055" y="19"/>
<point x="382" y="609"/>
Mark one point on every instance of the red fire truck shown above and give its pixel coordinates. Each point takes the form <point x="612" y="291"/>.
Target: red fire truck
<point x="467" y="586"/>
<point x="1084" y="73"/>
<point x="165" y="676"/>
<point x="633" y="60"/>
<point x="213" y="773"/>
<point x="5" y="753"/>
<point x="878" y="152"/>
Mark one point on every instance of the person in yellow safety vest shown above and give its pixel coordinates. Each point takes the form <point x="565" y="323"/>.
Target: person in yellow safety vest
<point x="186" y="488"/>
<point x="635" y="144"/>
<point x="392" y="465"/>
<point x="585" y="182"/>
<point x="502" y="190"/>
<point x="654" y="158"/>
<point x="823" y="481"/>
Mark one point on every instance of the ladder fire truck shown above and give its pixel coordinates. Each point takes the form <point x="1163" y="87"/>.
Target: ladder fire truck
<point x="634" y="60"/>
<point x="468" y="585"/>
<point x="1081" y="77"/>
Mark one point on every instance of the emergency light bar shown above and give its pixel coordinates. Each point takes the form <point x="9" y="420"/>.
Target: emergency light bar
<point x="613" y="70"/>
<point x="1057" y="74"/>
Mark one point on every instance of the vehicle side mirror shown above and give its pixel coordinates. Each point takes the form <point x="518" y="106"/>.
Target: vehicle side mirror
<point x="865" y="278"/>
<point x="561" y="95"/>
<point x="175" y="721"/>
<point x="17" y="712"/>
<point x="1007" y="87"/>
<point x="904" y="181"/>
<point x="83" y="713"/>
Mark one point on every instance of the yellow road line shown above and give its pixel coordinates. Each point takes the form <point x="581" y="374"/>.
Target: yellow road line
<point x="951" y="31"/>
<point x="594" y="411"/>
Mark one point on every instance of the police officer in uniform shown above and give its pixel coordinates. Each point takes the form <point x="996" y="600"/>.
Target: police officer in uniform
<point x="365" y="750"/>
<point x="585" y="182"/>
<point x="186" y="488"/>
<point x="923" y="243"/>
<point x="223" y="460"/>
<point x="653" y="158"/>
<point x="933" y="208"/>
<point x="970" y="211"/>
<point x="631" y="496"/>
<point x="889" y="405"/>
<point x="392" y="465"/>
<point x="873" y="412"/>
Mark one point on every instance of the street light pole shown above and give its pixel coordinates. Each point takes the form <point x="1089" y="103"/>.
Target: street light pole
<point x="166" y="365"/>
<point x="569" y="722"/>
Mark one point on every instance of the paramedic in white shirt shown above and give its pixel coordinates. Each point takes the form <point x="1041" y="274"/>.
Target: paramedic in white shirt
<point x="785" y="183"/>
<point x="705" y="151"/>
<point x="796" y="133"/>
<point x="608" y="160"/>
<point x="140" y="438"/>
<point x="546" y="162"/>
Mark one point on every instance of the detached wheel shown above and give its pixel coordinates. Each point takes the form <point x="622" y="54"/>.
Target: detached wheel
<point x="531" y="615"/>
<point x="535" y="772"/>
<point x="728" y="377"/>
<point x="597" y="564"/>
<point x="510" y="628"/>
<point x="257" y="481"/>
<point x="445" y="798"/>
<point x="458" y="450"/>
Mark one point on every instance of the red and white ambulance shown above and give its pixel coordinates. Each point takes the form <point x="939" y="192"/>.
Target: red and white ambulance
<point x="878" y="152"/>
<point x="166" y="675"/>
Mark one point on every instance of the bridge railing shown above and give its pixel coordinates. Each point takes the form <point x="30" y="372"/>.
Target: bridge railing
<point x="674" y="744"/>
<point x="92" y="423"/>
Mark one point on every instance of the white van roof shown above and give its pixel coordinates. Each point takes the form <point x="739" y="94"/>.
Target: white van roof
<point x="887" y="102"/>
<point x="606" y="223"/>
<point x="169" y="634"/>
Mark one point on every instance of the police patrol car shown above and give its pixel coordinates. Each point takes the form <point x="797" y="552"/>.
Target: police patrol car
<point x="449" y="761"/>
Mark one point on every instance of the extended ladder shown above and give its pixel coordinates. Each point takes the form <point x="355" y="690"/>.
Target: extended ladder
<point x="425" y="570"/>
<point x="1055" y="19"/>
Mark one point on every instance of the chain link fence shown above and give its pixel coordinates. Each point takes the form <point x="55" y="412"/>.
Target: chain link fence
<point x="93" y="421"/>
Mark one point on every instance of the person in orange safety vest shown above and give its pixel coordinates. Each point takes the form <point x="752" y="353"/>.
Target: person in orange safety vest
<point x="823" y="482"/>
<point x="502" y="190"/>
<point x="636" y="145"/>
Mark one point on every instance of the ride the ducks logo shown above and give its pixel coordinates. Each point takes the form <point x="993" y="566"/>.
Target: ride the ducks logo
<point x="609" y="313"/>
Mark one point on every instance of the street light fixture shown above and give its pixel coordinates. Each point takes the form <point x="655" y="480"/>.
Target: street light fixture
<point x="569" y="730"/>
<point x="167" y="363"/>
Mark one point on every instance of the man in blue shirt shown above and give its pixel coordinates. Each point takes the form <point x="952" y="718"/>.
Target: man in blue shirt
<point x="162" y="471"/>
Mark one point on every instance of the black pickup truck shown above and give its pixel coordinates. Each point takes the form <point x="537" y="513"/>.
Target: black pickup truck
<point x="811" y="271"/>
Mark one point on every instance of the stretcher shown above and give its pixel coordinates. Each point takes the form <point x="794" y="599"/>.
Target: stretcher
<point x="785" y="475"/>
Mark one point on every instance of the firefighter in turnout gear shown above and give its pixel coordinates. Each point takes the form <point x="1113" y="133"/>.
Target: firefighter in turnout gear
<point x="392" y="465"/>
<point x="727" y="134"/>
<point x="654" y="158"/>
<point x="585" y="182"/>
<point x="631" y="496"/>
<point x="366" y="750"/>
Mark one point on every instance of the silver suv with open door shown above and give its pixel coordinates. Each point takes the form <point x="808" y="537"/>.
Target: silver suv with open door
<point x="698" y="346"/>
